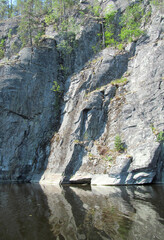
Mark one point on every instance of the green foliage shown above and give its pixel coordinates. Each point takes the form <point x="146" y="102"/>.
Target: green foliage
<point x="73" y="27"/>
<point x="133" y="13"/>
<point x="96" y="10"/>
<point x="30" y="26"/>
<point x="120" y="81"/>
<point x="110" y="16"/>
<point x="91" y="156"/>
<point x="38" y="36"/>
<point x="3" y="9"/>
<point x="96" y="48"/>
<point x="54" y="9"/>
<point x="160" y="136"/>
<point x="68" y="26"/>
<point x="120" y="46"/>
<point x="65" y="47"/>
<point x="9" y="33"/>
<point x="64" y="25"/>
<point x="131" y="34"/>
<point x="57" y="10"/>
<point x="157" y="2"/>
<point x="130" y="23"/>
<point x="108" y="158"/>
<point x="2" y="43"/>
<point x="50" y="17"/>
<point x="1" y="53"/>
<point x="14" y="47"/>
<point x="118" y="144"/>
<point x="153" y="128"/>
<point x="110" y="28"/>
<point x="68" y="30"/>
<point x="56" y="87"/>
<point x="2" y="46"/>
<point x="82" y="13"/>
<point x="109" y="40"/>
<point x="53" y="12"/>
<point x="147" y="16"/>
<point x="64" y="70"/>
<point x="35" y="6"/>
<point x="67" y="44"/>
<point x="6" y="9"/>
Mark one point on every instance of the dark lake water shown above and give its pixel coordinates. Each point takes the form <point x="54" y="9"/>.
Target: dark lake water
<point x="34" y="212"/>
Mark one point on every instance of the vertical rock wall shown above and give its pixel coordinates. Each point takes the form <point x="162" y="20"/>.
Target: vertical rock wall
<point x="95" y="111"/>
<point x="68" y="137"/>
<point x="27" y="112"/>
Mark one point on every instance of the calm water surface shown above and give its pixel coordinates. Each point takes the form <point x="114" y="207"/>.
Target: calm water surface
<point x="34" y="212"/>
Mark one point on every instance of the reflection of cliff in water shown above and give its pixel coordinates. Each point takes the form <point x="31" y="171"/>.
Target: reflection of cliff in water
<point x="61" y="219"/>
<point x="106" y="212"/>
<point x="101" y="218"/>
<point x="24" y="213"/>
<point x="70" y="213"/>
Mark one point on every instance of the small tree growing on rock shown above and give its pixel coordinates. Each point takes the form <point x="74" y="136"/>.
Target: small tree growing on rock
<point x="2" y="48"/>
<point x="118" y="144"/>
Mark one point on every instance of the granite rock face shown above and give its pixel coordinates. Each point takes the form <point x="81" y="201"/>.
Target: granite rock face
<point x="27" y="112"/>
<point x="95" y="111"/>
<point x="69" y="137"/>
<point x="29" y="109"/>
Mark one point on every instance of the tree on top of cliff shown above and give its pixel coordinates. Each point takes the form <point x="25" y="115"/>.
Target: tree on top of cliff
<point x="6" y="9"/>
<point x="30" y="25"/>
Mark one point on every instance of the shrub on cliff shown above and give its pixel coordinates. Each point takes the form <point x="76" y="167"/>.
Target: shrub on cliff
<point x="160" y="136"/>
<point x="118" y="144"/>
<point x="2" y="42"/>
<point x="131" y="22"/>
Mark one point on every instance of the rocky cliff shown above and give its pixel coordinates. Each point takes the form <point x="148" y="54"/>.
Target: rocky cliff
<point x="69" y="136"/>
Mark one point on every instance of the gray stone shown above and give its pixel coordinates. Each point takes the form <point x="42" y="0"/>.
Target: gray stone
<point x="68" y="137"/>
<point x="27" y="113"/>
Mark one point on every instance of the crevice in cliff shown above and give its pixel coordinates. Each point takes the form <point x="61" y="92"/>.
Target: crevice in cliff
<point x="18" y="114"/>
<point x="83" y="131"/>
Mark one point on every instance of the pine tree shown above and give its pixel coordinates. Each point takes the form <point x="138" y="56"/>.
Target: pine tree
<point x="3" y="9"/>
<point x="118" y="144"/>
<point x="6" y="9"/>
<point x="30" y="26"/>
<point x="10" y="8"/>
